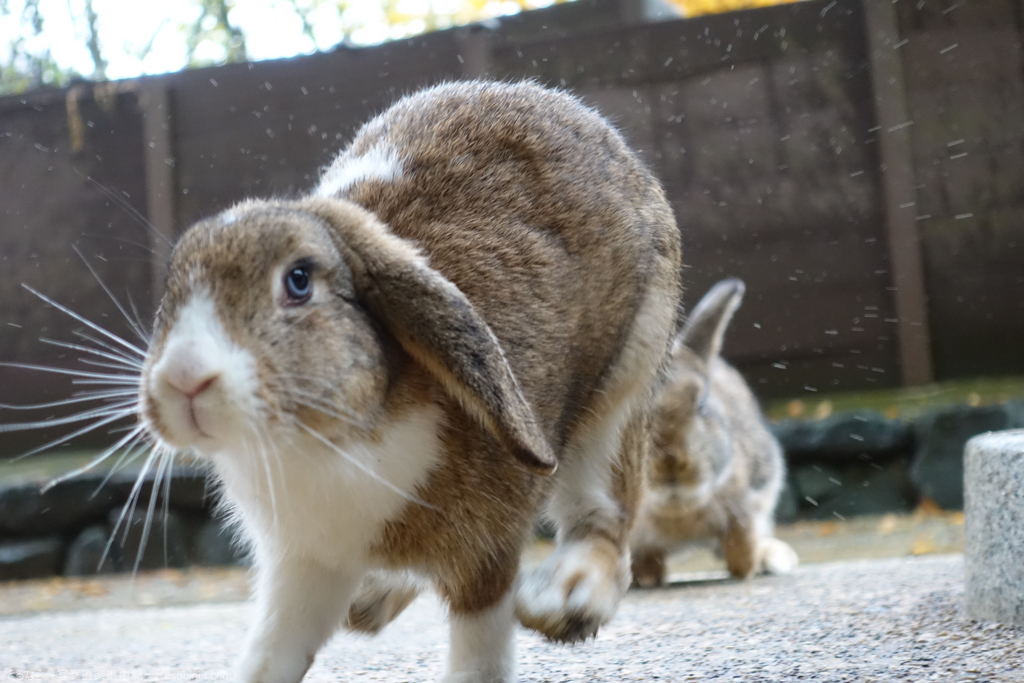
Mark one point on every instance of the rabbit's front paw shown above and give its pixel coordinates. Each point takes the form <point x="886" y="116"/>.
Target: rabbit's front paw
<point x="575" y="591"/>
<point x="777" y="557"/>
<point x="260" y="666"/>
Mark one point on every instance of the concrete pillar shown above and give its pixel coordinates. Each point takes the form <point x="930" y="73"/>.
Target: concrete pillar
<point x="994" y="514"/>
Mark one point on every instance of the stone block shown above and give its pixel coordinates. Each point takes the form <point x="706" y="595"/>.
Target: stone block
<point x="841" y="436"/>
<point x="938" y="468"/>
<point x="818" y="483"/>
<point x="787" y="507"/>
<point x="30" y="558"/>
<point x="993" y="533"/>
<point x="188" y="487"/>
<point x="25" y="509"/>
<point x="163" y="546"/>
<point x="86" y="551"/>
<point x="869" y="489"/>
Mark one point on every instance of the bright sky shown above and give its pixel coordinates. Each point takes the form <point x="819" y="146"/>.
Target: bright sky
<point x="271" y="27"/>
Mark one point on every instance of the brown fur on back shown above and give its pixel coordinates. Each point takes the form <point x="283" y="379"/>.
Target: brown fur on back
<point x="516" y="188"/>
<point x="569" y="234"/>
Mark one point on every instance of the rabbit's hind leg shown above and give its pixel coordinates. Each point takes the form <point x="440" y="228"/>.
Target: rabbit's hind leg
<point x="595" y="501"/>
<point x="599" y="483"/>
<point x="750" y="547"/>
<point x="380" y="598"/>
<point x="649" y="568"/>
<point x="740" y="547"/>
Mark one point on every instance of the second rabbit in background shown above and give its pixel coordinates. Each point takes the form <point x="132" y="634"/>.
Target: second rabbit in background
<point x="714" y="470"/>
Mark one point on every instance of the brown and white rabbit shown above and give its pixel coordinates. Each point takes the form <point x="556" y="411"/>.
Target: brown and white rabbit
<point x="714" y="471"/>
<point x="387" y="373"/>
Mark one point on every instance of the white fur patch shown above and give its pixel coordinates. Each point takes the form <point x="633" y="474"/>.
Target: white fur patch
<point x="301" y="496"/>
<point x="312" y="510"/>
<point x="483" y="646"/>
<point x="197" y="349"/>
<point x="777" y="557"/>
<point x="380" y="163"/>
<point x="299" y="604"/>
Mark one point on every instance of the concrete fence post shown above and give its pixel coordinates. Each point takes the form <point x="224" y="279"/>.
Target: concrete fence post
<point x="892" y="114"/>
<point x="994" y="533"/>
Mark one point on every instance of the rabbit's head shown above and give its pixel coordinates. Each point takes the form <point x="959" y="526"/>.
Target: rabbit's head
<point x="289" y="317"/>
<point x="689" y="437"/>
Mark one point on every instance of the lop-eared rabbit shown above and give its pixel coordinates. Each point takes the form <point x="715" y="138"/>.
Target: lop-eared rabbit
<point x="458" y="329"/>
<point x="715" y="470"/>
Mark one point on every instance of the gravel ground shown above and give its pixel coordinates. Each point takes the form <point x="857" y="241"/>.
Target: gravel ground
<point x="920" y="533"/>
<point x="869" y="620"/>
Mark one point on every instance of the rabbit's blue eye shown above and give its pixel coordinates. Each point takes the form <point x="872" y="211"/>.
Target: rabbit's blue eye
<point x="298" y="285"/>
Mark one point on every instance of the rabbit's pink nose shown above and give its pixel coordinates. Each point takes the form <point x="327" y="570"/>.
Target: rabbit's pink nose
<point x="192" y="386"/>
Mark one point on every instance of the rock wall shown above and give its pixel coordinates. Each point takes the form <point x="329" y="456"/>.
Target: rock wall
<point x="863" y="463"/>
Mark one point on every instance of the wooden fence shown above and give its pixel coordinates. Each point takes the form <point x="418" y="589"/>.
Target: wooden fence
<point x="857" y="163"/>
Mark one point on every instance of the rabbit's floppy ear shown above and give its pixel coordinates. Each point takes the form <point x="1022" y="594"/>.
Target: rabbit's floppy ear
<point x="437" y="325"/>
<point x="705" y="328"/>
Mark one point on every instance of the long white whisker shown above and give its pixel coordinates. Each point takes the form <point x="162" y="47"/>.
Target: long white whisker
<point x="342" y="411"/>
<point x="330" y="386"/>
<point x="119" y="430"/>
<point x="86" y="321"/>
<point x="123" y="240"/>
<point x="128" y="208"/>
<point x="167" y="498"/>
<point x="128" y="382"/>
<point x="84" y="430"/>
<point x="135" y="328"/>
<point x="321" y="407"/>
<point x="117" y="358"/>
<point x="129" y="455"/>
<point x="360" y="466"/>
<point x="138" y="318"/>
<point x="99" y="342"/>
<point x="135" y="434"/>
<point x="132" y="499"/>
<point x="125" y="407"/>
<point x="104" y="393"/>
<point x="112" y="366"/>
<point x="85" y="398"/>
<point x="265" y="458"/>
<point x="161" y="466"/>
<point x="64" y="371"/>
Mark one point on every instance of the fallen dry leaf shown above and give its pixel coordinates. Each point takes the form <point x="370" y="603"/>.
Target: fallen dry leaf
<point x="928" y="508"/>
<point x="93" y="589"/>
<point x="887" y="524"/>
<point x="922" y="546"/>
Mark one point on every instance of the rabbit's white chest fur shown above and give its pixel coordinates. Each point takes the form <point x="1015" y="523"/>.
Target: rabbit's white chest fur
<point x="307" y="498"/>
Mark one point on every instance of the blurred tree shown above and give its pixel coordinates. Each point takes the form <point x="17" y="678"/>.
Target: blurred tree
<point x="211" y="32"/>
<point x="214" y="27"/>
<point x="694" y="8"/>
<point x="93" y="41"/>
<point x="26" y="65"/>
